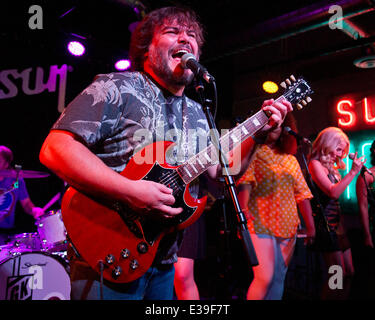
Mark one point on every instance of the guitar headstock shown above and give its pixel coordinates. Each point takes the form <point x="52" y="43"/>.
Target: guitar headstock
<point x="297" y="91"/>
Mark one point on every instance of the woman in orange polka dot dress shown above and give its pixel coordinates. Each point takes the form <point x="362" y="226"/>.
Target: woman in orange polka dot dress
<point x="269" y="193"/>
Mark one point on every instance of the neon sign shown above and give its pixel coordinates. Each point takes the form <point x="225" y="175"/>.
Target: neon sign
<point x="356" y="115"/>
<point x="363" y="148"/>
<point x="369" y="117"/>
<point x="348" y="117"/>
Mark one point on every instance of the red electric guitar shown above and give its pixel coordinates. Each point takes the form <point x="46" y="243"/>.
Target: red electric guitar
<point x="124" y="244"/>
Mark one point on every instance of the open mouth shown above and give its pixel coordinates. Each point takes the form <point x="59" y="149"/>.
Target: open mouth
<point x="178" y="54"/>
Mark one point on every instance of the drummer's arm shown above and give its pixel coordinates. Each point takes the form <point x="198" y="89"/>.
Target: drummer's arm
<point x="30" y="208"/>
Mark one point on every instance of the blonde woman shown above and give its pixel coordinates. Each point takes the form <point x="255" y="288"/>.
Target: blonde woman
<point x="328" y="151"/>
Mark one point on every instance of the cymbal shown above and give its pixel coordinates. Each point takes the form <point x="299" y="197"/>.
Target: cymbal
<point x="25" y="174"/>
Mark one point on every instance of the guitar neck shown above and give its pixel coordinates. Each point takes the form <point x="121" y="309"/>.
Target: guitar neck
<point x="196" y="165"/>
<point x="208" y="157"/>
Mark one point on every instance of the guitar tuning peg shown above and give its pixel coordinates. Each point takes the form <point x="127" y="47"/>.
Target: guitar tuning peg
<point x="308" y="99"/>
<point x="299" y="106"/>
<point x="283" y="85"/>
<point x="304" y="102"/>
<point x="293" y="78"/>
<point x="288" y="82"/>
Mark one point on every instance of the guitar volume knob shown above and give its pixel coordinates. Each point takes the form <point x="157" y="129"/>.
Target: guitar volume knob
<point x="142" y="247"/>
<point x="134" y="264"/>
<point x="110" y="259"/>
<point x="116" y="272"/>
<point x="125" y="253"/>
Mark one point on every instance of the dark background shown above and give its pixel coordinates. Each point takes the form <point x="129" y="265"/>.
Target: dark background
<point x="246" y="44"/>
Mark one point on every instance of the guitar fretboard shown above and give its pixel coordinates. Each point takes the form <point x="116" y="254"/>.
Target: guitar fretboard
<point x="200" y="162"/>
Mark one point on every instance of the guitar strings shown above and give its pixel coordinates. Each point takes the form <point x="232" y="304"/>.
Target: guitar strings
<point x="226" y="143"/>
<point x="169" y="179"/>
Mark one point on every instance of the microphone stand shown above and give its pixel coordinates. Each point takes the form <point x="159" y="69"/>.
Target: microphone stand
<point x="229" y="181"/>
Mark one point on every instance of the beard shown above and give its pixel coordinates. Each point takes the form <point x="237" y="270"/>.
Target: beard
<point x="177" y="77"/>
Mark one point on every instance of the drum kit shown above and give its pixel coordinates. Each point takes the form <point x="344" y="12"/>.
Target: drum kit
<point x="34" y="266"/>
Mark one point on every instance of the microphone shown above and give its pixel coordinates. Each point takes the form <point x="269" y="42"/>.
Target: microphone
<point x="352" y="156"/>
<point x="189" y="61"/>
<point x="296" y="135"/>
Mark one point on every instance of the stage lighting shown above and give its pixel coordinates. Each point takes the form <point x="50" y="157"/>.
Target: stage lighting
<point x="76" y="48"/>
<point x="270" y="87"/>
<point x="122" y="65"/>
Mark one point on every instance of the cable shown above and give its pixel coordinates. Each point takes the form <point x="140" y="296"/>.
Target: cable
<point x="101" y="268"/>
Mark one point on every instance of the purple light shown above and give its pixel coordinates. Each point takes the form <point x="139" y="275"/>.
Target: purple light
<point x="76" y="48"/>
<point x="122" y="64"/>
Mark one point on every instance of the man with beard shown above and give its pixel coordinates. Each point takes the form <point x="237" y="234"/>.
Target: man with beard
<point x="117" y="115"/>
